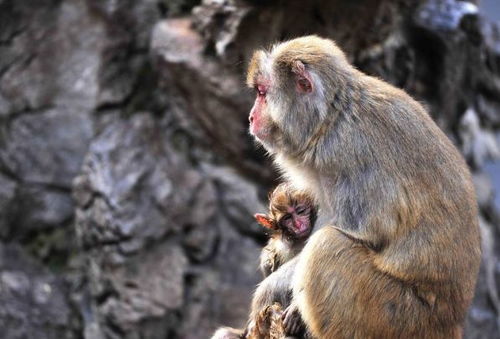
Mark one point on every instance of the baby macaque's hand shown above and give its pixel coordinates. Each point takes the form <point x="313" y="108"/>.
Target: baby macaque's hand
<point x="292" y="321"/>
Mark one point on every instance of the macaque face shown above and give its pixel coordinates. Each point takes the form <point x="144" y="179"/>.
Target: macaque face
<point x="295" y="219"/>
<point x="282" y="101"/>
<point x="298" y="221"/>
<point x="291" y="212"/>
<point x="260" y="120"/>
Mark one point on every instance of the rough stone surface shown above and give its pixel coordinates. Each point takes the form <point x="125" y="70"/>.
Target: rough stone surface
<point x="155" y="237"/>
<point x="33" y="303"/>
<point x="128" y="180"/>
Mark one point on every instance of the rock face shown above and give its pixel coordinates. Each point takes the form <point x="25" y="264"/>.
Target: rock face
<point x="33" y="301"/>
<point x="128" y="180"/>
<point x="157" y="234"/>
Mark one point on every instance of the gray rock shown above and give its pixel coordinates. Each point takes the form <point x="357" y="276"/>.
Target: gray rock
<point x="478" y="144"/>
<point x="484" y="189"/>
<point x="138" y="185"/>
<point x="136" y="196"/>
<point x="49" y="61"/>
<point x="33" y="302"/>
<point x="7" y="193"/>
<point x="35" y="208"/>
<point x="145" y="289"/>
<point x="220" y="36"/>
<point x="46" y="148"/>
<point x="445" y="14"/>
<point x="217" y="117"/>
<point x="239" y="199"/>
<point x="53" y="57"/>
<point x="163" y="201"/>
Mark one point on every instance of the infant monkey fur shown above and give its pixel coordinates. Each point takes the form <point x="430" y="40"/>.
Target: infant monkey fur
<point x="291" y="218"/>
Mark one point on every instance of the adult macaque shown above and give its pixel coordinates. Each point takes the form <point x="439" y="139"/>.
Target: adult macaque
<point x="291" y="218"/>
<point x="402" y="256"/>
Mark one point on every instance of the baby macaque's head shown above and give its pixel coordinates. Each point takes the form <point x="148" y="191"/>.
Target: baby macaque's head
<point x="291" y="211"/>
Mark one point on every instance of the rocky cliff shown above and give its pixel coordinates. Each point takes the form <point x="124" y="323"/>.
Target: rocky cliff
<point x="127" y="177"/>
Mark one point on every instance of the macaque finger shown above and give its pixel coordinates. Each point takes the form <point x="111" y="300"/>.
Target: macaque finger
<point x="292" y="321"/>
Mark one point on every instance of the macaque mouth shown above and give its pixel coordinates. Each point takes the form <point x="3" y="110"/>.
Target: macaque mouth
<point x="301" y="229"/>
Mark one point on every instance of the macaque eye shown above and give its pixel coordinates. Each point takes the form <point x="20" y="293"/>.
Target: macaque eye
<point x="261" y="90"/>
<point x="286" y="221"/>
<point x="301" y="210"/>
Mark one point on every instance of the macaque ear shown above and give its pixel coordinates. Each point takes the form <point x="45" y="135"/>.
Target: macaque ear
<point x="303" y="78"/>
<point x="264" y="220"/>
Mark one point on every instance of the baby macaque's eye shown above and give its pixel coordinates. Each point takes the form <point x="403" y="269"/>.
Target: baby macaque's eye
<point x="301" y="210"/>
<point x="285" y="221"/>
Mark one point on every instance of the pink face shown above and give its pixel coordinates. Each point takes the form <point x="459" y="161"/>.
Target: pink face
<point x="259" y="115"/>
<point x="261" y="125"/>
<point x="297" y="221"/>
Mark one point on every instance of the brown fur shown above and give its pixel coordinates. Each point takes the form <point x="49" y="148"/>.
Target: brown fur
<point x="403" y="257"/>
<point x="269" y="324"/>
<point x="276" y="253"/>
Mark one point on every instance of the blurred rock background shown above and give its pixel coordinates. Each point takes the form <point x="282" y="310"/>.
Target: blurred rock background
<point x="128" y="180"/>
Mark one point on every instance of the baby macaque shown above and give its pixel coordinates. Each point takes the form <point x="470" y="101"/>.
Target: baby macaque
<point x="291" y="218"/>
